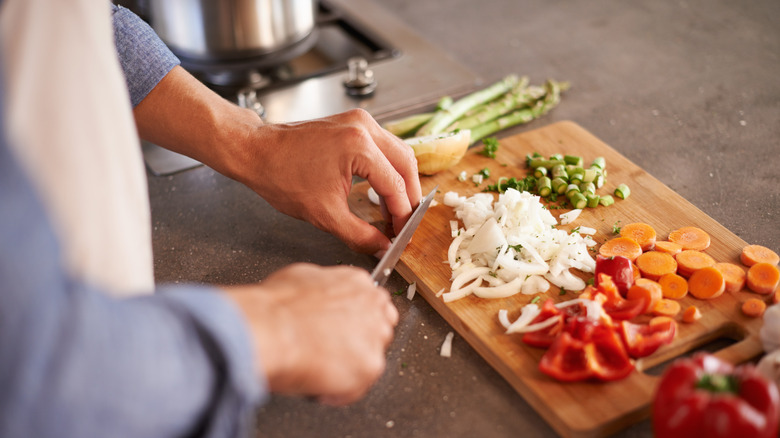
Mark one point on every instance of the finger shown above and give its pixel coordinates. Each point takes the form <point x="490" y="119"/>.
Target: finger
<point x="388" y="184"/>
<point x="358" y="234"/>
<point x="401" y="157"/>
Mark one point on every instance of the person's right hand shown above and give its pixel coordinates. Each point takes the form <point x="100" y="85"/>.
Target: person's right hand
<point x="319" y="331"/>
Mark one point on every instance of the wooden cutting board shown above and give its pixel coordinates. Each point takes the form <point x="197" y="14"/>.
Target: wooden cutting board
<point x="578" y="409"/>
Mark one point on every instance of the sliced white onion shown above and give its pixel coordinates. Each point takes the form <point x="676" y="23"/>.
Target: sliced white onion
<point x="527" y="314"/>
<point x="570" y="216"/>
<point x="534" y="327"/>
<point x="410" y="291"/>
<point x="502" y="291"/>
<point x="446" y="346"/>
<point x="454" y="228"/>
<point x="586" y="231"/>
<point x="535" y="284"/>
<point x="373" y="196"/>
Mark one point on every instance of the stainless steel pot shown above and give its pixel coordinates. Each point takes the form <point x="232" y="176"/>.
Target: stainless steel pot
<point x="231" y="30"/>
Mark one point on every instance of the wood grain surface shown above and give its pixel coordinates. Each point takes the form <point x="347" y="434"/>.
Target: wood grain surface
<point x="579" y="409"/>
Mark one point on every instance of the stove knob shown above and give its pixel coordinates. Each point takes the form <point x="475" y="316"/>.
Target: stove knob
<point x="247" y="98"/>
<point x="360" y="81"/>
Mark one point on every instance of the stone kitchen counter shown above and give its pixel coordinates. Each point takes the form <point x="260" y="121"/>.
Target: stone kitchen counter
<point x="686" y="89"/>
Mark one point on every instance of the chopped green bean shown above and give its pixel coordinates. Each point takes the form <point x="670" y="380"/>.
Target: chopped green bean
<point x="573" y="160"/>
<point x="606" y="200"/>
<point x="622" y="191"/>
<point x="559" y="185"/>
<point x="544" y="186"/>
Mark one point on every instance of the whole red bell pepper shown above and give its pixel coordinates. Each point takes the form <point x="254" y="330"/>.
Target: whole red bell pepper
<point x="705" y="396"/>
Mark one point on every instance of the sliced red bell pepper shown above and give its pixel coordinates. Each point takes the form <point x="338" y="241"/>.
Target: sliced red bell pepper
<point x="642" y="340"/>
<point x="586" y="350"/>
<point x="614" y="304"/>
<point x="705" y="396"/>
<point x="544" y="338"/>
<point x="619" y="268"/>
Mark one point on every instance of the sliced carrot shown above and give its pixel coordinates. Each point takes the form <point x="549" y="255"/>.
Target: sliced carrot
<point x="621" y="246"/>
<point x="635" y="271"/>
<point x="690" y="238"/>
<point x="753" y="307"/>
<point x="734" y="275"/>
<point x="654" y="264"/>
<point x="666" y="307"/>
<point x="753" y="254"/>
<point x="690" y="261"/>
<point x="661" y="320"/>
<point x="641" y="233"/>
<point x="673" y="286"/>
<point x="691" y="314"/>
<point x="646" y="289"/>
<point x="763" y="278"/>
<point x="706" y="283"/>
<point x="668" y="247"/>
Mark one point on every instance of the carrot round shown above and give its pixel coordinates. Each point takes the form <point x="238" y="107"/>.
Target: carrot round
<point x="753" y="254"/>
<point x="659" y="320"/>
<point x="690" y="261"/>
<point x="641" y="233"/>
<point x="635" y="271"/>
<point x="753" y="307"/>
<point x="646" y="289"/>
<point x="666" y="307"/>
<point x="691" y="314"/>
<point x="763" y="278"/>
<point x="654" y="264"/>
<point x="673" y="286"/>
<point x="621" y="246"/>
<point x="706" y="283"/>
<point x="734" y="275"/>
<point x="690" y="238"/>
<point x="668" y="247"/>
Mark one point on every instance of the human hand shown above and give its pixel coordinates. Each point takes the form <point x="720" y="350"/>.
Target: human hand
<point x="305" y="170"/>
<point x="319" y="331"/>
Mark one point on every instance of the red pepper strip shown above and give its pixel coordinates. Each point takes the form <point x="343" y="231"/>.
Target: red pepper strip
<point x="544" y="338"/>
<point x="705" y="396"/>
<point x="644" y="339"/>
<point x="586" y="350"/>
<point x="614" y="304"/>
<point x="618" y="268"/>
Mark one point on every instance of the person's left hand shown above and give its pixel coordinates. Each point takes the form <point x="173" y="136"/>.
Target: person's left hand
<point x="305" y="170"/>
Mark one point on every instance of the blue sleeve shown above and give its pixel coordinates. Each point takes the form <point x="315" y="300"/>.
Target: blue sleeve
<point x="75" y="362"/>
<point x="144" y="58"/>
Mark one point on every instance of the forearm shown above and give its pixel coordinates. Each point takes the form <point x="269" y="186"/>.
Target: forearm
<point x="79" y="363"/>
<point x="183" y="115"/>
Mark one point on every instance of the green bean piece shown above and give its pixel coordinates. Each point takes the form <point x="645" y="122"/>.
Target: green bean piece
<point x="599" y="162"/>
<point x="606" y="200"/>
<point x="559" y="185"/>
<point x="544" y="186"/>
<point x="622" y="191"/>
<point x="573" y="160"/>
<point x="588" y="187"/>
<point x="578" y="200"/>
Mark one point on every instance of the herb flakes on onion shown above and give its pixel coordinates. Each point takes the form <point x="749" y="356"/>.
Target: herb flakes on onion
<point x="512" y="246"/>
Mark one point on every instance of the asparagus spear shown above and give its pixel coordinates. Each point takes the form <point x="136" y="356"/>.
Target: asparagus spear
<point x="408" y="125"/>
<point x="516" y="99"/>
<point x="444" y="118"/>
<point x="524" y="115"/>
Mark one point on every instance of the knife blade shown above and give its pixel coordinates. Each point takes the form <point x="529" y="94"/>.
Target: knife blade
<point x="391" y="257"/>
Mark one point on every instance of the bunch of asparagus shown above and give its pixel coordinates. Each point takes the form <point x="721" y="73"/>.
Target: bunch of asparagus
<point x="506" y="103"/>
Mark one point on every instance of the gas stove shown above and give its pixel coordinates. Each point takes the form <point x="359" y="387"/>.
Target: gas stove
<point x="359" y="56"/>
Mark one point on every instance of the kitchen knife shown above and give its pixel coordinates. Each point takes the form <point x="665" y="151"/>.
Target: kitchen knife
<point x="386" y="265"/>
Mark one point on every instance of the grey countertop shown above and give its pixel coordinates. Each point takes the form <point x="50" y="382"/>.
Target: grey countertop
<point x="686" y="89"/>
